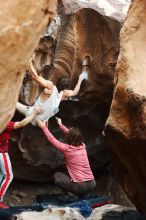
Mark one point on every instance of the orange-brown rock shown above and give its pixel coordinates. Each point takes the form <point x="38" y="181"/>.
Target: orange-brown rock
<point x="88" y="33"/>
<point x="77" y="38"/>
<point x="126" y="125"/>
<point x="97" y="37"/>
<point x="64" y="53"/>
<point x="34" y="158"/>
<point x="21" y="23"/>
<point x="110" y="8"/>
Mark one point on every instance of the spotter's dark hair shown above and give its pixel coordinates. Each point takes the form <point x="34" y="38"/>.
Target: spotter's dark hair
<point x="74" y="137"/>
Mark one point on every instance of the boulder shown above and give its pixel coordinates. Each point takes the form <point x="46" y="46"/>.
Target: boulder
<point x="37" y="156"/>
<point x="21" y="24"/>
<point x="88" y="33"/>
<point x="114" y="9"/>
<point x="126" y="125"/>
<point x="35" y="159"/>
<point x="117" y="212"/>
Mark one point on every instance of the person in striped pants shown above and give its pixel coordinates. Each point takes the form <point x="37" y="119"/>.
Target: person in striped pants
<point x="5" y="163"/>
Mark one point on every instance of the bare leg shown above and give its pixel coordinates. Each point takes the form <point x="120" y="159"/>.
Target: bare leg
<point x="23" y="109"/>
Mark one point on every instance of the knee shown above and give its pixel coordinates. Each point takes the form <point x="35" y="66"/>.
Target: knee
<point x="9" y="177"/>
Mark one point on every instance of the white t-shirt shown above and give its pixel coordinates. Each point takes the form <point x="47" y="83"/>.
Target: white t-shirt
<point x="50" y="107"/>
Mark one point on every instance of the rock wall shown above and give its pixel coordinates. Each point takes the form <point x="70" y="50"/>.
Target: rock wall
<point x="97" y="37"/>
<point x="33" y="157"/>
<point x="84" y="33"/>
<point x="114" y="9"/>
<point x="21" y="23"/>
<point x="76" y="39"/>
<point x="87" y="33"/>
<point x="64" y="53"/>
<point x="126" y="125"/>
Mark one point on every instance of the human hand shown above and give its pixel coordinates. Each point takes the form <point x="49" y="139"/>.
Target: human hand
<point x="32" y="67"/>
<point x="67" y="93"/>
<point x="38" y="111"/>
<point x="47" y="122"/>
<point x="103" y="133"/>
<point x="59" y="121"/>
<point x="41" y="124"/>
<point x="31" y="61"/>
<point x="83" y="75"/>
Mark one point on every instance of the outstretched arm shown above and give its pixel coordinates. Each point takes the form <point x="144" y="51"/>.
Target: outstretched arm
<point x="62" y="127"/>
<point x="43" y="82"/>
<point x="25" y="121"/>
<point x="67" y="93"/>
<point x="57" y="144"/>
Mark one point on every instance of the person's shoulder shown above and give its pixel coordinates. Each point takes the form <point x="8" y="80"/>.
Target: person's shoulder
<point x="83" y="146"/>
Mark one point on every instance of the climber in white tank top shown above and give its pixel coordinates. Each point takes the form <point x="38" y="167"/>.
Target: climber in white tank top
<point x="49" y="99"/>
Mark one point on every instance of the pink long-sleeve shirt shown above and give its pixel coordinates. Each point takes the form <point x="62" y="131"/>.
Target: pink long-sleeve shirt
<point x="75" y="157"/>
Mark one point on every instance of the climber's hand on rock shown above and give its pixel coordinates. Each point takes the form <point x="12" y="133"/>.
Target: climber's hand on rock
<point x="58" y="120"/>
<point x="83" y="75"/>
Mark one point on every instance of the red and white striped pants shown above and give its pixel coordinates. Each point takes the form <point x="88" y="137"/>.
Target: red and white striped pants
<point x="6" y="172"/>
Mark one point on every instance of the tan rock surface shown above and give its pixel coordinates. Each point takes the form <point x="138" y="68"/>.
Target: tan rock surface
<point x="126" y="125"/>
<point x="97" y="37"/>
<point x="87" y="33"/>
<point x="21" y="23"/>
<point x="77" y="38"/>
<point x="110" y="8"/>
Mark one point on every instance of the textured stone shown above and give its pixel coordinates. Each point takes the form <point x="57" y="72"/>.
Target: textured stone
<point x="103" y="51"/>
<point x="35" y="159"/>
<point x="21" y="23"/>
<point x="126" y="125"/>
<point x="85" y="33"/>
<point x="74" y="43"/>
<point x="37" y="156"/>
<point x="112" y="211"/>
<point x="110" y="8"/>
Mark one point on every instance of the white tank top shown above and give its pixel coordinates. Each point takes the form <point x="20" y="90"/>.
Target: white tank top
<point x="50" y="107"/>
